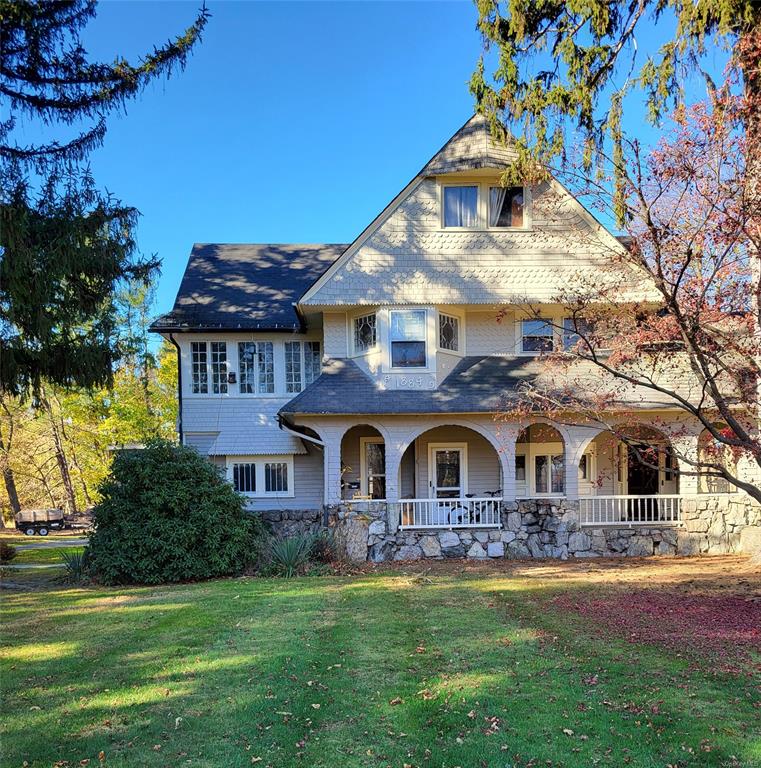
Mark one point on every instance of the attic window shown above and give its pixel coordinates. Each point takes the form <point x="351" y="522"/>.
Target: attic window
<point x="505" y="207"/>
<point x="461" y="206"/>
<point x="364" y="333"/>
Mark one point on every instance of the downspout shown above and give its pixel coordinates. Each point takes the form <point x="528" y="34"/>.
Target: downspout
<point x="179" y="389"/>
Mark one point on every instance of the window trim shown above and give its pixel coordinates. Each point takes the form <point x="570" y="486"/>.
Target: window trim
<point x="205" y="391"/>
<point x="355" y="350"/>
<point x="256" y="372"/>
<point x="460" y="332"/>
<point x="387" y="337"/>
<point x="550" y="321"/>
<point x="479" y="205"/>
<point x="531" y="451"/>
<point x="364" y="485"/>
<point x="494" y="228"/>
<point x="259" y="461"/>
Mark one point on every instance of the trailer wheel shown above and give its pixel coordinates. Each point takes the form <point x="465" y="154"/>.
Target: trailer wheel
<point x="42" y="531"/>
<point x="29" y="531"/>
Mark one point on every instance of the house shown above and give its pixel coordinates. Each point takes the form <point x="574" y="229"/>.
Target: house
<point x="364" y="381"/>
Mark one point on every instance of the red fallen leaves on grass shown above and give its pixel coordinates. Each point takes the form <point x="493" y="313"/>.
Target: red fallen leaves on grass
<point x="721" y="626"/>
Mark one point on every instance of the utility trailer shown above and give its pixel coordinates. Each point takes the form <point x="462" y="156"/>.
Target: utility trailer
<point x="40" y="521"/>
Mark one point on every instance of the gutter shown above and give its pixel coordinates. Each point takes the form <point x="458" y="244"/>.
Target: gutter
<point x="282" y="424"/>
<point x="179" y="389"/>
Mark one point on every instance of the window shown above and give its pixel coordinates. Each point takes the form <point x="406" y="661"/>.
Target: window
<point x="572" y="328"/>
<point x="520" y="469"/>
<point x="293" y="366"/>
<point x="256" y="367"/>
<point x="449" y="332"/>
<point x="244" y="478"/>
<point x="461" y="206"/>
<point x="586" y="467"/>
<point x="537" y="336"/>
<point x="266" y="363"/>
<point x="200" y="375"/>
<point x="312" y="361"/>
<point x="275" y="477"/>
<point x="549" y="473"/>
<point x="261" y="476"/>
<point x="505" y="206"/>
<point x="364" y="333"/>
<point x="407" y="336"/>
<point x="219" y="367"/>
<point x="373" y="467"/>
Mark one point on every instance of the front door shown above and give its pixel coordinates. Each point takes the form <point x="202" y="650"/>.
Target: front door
<point x="446" y="477"/>
<point x="642" y="481"/>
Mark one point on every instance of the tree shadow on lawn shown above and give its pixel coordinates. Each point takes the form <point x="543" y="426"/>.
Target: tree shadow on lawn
<point x="375" y="670"/>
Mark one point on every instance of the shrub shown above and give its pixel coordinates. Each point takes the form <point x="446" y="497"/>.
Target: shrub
<point x="167" y="515"/>
<point x="326" y="547"/>
<point x="288" y="556"/>
<point x="7" y="552"/>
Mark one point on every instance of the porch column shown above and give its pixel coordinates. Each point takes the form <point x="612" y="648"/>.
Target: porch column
<point x="505" y="438"/>
<point x="332" y="464"/>
<point x="393" y="467"/>
<point x="578" y="438"/>
<point x="687" y="446"/>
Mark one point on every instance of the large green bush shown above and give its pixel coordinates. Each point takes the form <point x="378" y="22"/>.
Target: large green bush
<point x="167" y="515"/>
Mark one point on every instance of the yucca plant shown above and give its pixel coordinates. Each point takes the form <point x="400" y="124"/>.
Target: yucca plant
<point x="75" y="564"/>
<point x="289" y="555"/>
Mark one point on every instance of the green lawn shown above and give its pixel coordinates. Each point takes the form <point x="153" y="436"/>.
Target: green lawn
<point x="43" y="555"/>
<point x="488" y="666"/>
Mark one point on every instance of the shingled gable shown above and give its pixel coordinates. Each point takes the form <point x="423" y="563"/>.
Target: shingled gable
<point x="384" y="264"/>
<point x="245" y="287"/>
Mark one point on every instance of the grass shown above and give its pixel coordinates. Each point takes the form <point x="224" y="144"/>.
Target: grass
<point x="43" y="556"/>
<point x="453" y="666"/>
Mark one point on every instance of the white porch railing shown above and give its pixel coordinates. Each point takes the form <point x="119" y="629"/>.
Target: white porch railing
<point x="661" y="509"/>
<point x="450" y="513"/>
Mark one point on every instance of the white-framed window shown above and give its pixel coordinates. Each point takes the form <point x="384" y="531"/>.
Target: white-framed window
<point x="219" y="367"/>
<point x="244" y="477"/>
<point x="537" y="336"/>
<point x="276" y="477"/>
<point x="407" y="338"/>
<point x="261" y="476"/>
<point x="520" y="469"/>
<point x="303" y="364"/>
<point x="312" y="361"/>
<point x="293" y="366"/>
<point x="256" y="367"/>
<point x="506" y="207"/>
<point x="199" y="358"/>
<point x="449" y="332"/>
<point x="365" y="332"/>
<point x="572" y="328"/>
<point x="587" y="467"/>
<point x="460" y="206"/>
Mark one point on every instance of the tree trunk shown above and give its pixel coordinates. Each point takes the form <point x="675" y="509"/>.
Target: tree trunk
<point x="60" y="455"/>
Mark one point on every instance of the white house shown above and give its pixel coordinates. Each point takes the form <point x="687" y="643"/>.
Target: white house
<point x="372" y="375"/>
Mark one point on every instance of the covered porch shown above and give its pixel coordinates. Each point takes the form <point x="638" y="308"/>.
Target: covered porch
<point x="463" y="472"/>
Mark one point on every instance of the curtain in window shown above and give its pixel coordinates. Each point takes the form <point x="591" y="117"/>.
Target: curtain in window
<point x="496" y="201"/>
<point x="460" y="206"/>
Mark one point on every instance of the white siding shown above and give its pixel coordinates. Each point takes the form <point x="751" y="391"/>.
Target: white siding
<point x="486" y="335"/>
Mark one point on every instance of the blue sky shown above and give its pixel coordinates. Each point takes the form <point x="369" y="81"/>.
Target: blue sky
<point x="293" y="121"/>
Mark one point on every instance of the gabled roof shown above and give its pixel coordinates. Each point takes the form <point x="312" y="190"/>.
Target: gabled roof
<point x="245" y="287"/>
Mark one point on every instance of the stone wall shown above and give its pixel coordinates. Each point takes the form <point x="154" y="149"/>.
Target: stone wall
<point x="291" y="522"/>
<point x="550" y="529"/>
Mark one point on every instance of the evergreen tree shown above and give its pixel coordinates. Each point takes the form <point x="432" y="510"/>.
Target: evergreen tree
<point x="65" y="246"/>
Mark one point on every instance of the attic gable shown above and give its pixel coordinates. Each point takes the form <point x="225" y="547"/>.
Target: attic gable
<point x="470" y="149"/>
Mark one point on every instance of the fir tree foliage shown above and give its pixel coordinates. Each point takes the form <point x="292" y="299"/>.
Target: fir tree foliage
<point x="595" y="50"/>
<point x="65" y="246"/>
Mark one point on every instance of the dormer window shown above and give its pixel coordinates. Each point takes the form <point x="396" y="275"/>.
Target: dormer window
<point x="537" y="336"/>
<point x="365" y="333"/>
<point x="407" y="334"/>
<point x="505" y="207"/>
<point x="461" y="206"/>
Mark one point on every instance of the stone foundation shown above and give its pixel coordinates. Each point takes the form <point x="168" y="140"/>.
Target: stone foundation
<point x="549" y="529"/>
<point x="292" y="522"/>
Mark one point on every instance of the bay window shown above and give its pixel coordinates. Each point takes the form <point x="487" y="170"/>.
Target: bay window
<point x="407" y="336"/>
